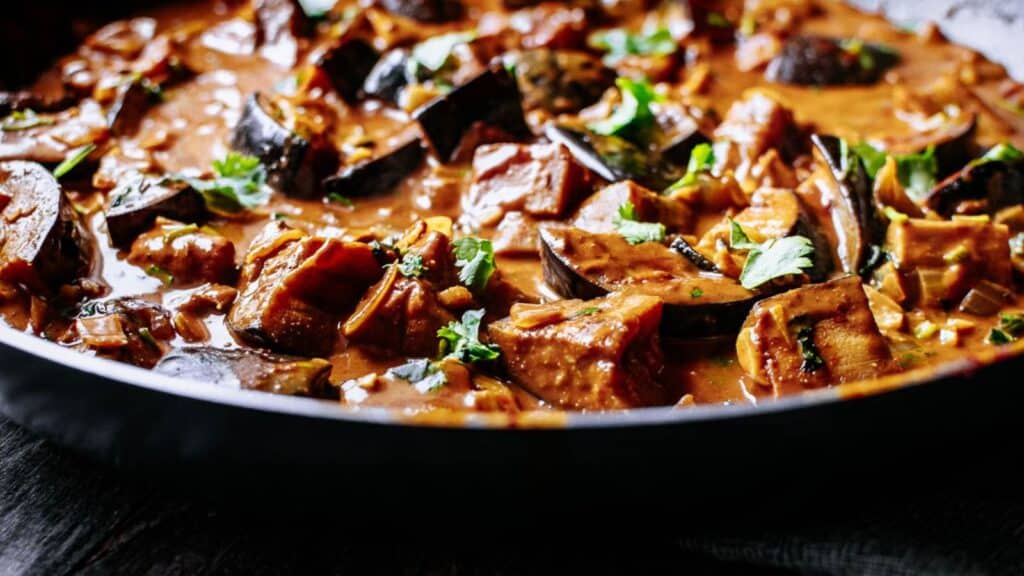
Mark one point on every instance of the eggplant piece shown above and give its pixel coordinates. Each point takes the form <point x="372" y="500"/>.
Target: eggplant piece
<point x="129" y="107"/>
<point x="979" y="188"/>
<point x="295" y="165"/>
<point x="425" y="10"/>
<point x="680" y="245"/>
<point x="855" y="216"/>
<point x="559" y="81"/>
<point x="597" y="213"/>
<point x="129" y="330"/>
<point x="42" y="242"/>
<point x="823" y="61"/>
<point x="681" y="142"/>
<point x="249" y="370"/>
<point x="347" y="64"/>
<point x="954" y="144"/>
<point x="378" y="175"/>
<point x="814" y="336"/>
<point x="135" y="206"/>
<point x="388" y="76"/>
<point x="615" y="159"/>
<point x="578" y="264"/>
<point x="491" y="98"/>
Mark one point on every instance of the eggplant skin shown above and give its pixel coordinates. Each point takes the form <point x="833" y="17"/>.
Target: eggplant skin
<point x="425" y="10"/>
<point x="985" y="187"/>
<point x="249" y="370"/>
<point x="135" y="206"/>
<point x="491" y="98"/>
<point x="347" y="64"/>
<point x="42" y="241"/>
<point x="854" y="213"/>
<point x="615" y="159"/>
<point x="388" y="76"/>
<point x="295" y="166"/>
<point x="379" y="175"/>
<point x="823" y="61"/>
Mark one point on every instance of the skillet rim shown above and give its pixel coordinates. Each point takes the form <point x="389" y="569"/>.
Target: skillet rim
<point x="319" y="409"/>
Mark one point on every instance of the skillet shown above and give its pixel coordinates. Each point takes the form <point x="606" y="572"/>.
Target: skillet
<point x="134" y="417"/>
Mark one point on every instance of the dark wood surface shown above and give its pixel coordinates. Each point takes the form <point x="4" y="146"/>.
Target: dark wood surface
<point x="63" y="514"/>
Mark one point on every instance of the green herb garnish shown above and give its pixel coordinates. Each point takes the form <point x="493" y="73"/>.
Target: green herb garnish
<point x="634" y="231"/>
<point x="475" y="259"/>
<point x="160" y="274"/>
<point x="633" y="119"/>
<point x="696" y="293"/>
<point x="1004" y="152"/>
<point x="174" y="232"/>
<point x="588" y="311"/>
<point x="412" y="266"/>
<point x="434" y="53"/>
<point x="23" y="120"/>
<point x="426" y="376"/>
<point x="461" y="340"/>
<point x="916" y="172"/>
<point x="240" y="184"/>
<point x="337" y="198"/>
<point x="619" y="43"/>
<point x="776" y="258"/>
<point x="1011" y="327"/>
<point x="702" y="159"/>
<point x="812" y="358"/>
<point x="148" y="337"/>
<point x="73" y="159"/>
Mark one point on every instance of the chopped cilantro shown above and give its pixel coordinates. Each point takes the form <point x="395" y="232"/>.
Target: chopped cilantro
<point x="240" y="184"/>
<point x="424" y="375"/>
<point x="23" y="120"/>
<point x="916" y="172"/>
<point x="340" y="199"/>
<point x="461" y="340"/>
<point x="812" y="358"/>
<point x="636" y="232"/>
<point x="633" y="119"/>
<point x="588" y="311"/>
<point x="702" y="159"/>
<point x="1012" y="323"/>
<point x="475" y="259"/>
<point x="696" y="293"/>
<point x="412" y="266"/>
<point x="776" y="258"/>
<point x="619" y="43"/>
<point x="998" y="337"/>
<point x="73" y="159"/>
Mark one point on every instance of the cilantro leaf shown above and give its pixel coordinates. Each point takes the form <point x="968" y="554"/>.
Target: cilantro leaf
<point x="619" y="43"/>
<point x="873" y="158"/>
<point x="461" y="340"/>
<point x="1012" y="323"/>
<point x="424" y="375"/>
<point x="412" y="266"/>
<point x="240" y="184"/>
<point x="636" y="232"/>
<point x="917" y="172"/>
<point x="702" y="159"/>
<point x="633" y="119"/>
<point x="776" y="258"/>
<point x="475" y="259"/>
<point x="812" y="358"/>
<point x="434" y="53"/>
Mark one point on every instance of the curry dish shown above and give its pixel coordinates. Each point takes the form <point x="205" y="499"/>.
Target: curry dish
<point x="504" y="206"/>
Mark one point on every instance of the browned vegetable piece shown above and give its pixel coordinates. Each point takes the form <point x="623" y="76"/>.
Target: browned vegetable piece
<point x="979" y="188"/>
<point x="615" y="159"/>
<point x="378" y="175"/>
<point x="347" y="63"/>
<point x="821" y="61"/>
<point x="249" y="370"/>
<point x="813" y="336"/>
<point x="516" y="235"/>
<point x="129" y="330"/>
<point x="541" y="180"/>
<point x="491" y="99"/>
<point x="403" y="314"/>
<point x="855" y="216"/>
<point x="294" y="288"/>
<point x="425" y="10"/>
<point x="598" y="355"/>
<point x="751" y="127"/>
<point x="130" y="105"/>
<point x="187" y="254"/>
<point x="295" y="163"/>
<point x="597" y="213"/>
<point x="42" y="241"/>
<point x="947" y="258"/>
<point x="135" y="206"/>
<point x="578" y="264"/>
<point x="559" y="81"/>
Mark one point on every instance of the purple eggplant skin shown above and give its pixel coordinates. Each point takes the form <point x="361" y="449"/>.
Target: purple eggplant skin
<point x="44" y="244"/>
<point x="491" y="98"/>
<point x="425" y="10"/>
<point x="684" y="248"/>
<point x="854" y="213"/>
<point x="988" y="186"/>
<point x="136" y="205"/>
<point x="823" y="61"/>
<point x="378" y="175"/>
<point x="347" y="64"/>
<point x="388" y="76"/>
<point x="133" y="100"/>
<point x="249" y="370"/>
<point x="559" y="81"/>
<point x="295" y="166"/>
<point x="615" y="159"/>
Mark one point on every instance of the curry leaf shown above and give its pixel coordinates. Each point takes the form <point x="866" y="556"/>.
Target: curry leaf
<point x="636" y="232"/>
<point x="461" y="340"/>
<point x="475" y="259"/>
